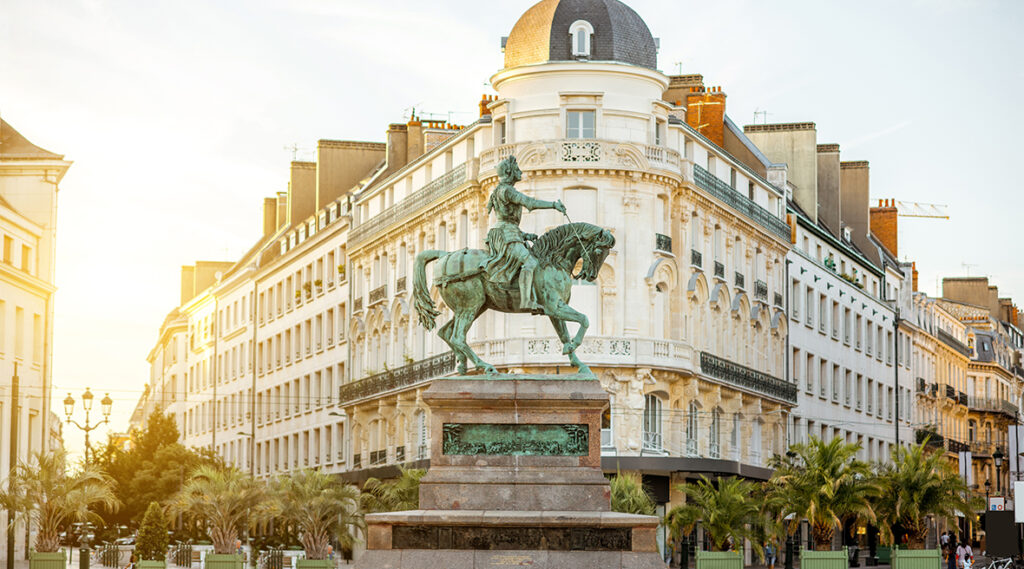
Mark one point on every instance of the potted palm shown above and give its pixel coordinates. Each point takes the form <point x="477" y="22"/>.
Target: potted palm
<point x="44" y="494"/>
<point x="825" y="484"/>
<point x="151" y="546"/>
<point x="629" y="496"/>
<point x="915" y="485"/>
<point x="729" y="513"/>
<point x="224" y="499"/>
<point x="320" y="507"/>
<point x="399" y="494"/>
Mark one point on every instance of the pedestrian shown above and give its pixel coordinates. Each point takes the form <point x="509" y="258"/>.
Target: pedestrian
<point x="769" y="555"/>
<point x="131" y="562"/>
<point x="951" y="551"/>
<point x="964" y="555"/>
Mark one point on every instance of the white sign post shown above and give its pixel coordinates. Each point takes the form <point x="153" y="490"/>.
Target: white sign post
<point x="1018" y="513"/>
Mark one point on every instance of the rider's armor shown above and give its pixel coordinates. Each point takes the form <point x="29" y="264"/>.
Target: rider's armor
<point x="506" y="243"/>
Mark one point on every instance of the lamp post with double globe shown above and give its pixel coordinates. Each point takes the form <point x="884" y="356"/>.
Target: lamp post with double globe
<point x="87" y="397"/>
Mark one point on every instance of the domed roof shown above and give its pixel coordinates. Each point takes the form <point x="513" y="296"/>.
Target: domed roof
<point x="542" y="34"/>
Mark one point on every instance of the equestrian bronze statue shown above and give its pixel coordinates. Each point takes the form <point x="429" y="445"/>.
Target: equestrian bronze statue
<point x="512" y="276"/>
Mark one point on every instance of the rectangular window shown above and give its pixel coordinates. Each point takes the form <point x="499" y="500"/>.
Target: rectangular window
<point x="810" y="373"/>
<point x="8" y="245"/>
<point x="26" y="258"/>
<point x="581" y="124"/>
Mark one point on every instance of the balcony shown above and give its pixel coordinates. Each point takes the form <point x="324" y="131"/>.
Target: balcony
<point x="761" y="291"/>
<point x="652" y="441"/>
<point x="662" y="243"/>
<point x="416" y="201"/>
<point x="357" y="305"/>
<point x="399" y="285"/>
<point x="402" y="377"/>
<point x="691" y="448"/>
<point x="739" y="281"/>
<point x="962" y="398"/>
<point x="956" y="446"/>
<point x="696" y="259"/>
<point x="934" y="439"/>
<point x="590" y="153"/>
<point x="719" y="270"/>
<point x="951" y="393"/>
<point x="746" y="378"/>
<point x="922" y="385"/>
<point x="992" y="405"/>
<point x="377" y="295"/>
<point x="378" y="457"/>
<point x="723" y="191"/>
<point x="778" y="302"/>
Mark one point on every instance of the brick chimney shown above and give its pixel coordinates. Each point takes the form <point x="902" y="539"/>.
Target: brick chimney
<point x="484" y="102"/>
<point x="914" y="273"/>
<point x="884" y="226"/>
<point x="705" y="112"/>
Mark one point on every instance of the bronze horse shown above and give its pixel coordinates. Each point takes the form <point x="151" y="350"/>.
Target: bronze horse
<point x="467" y="291"/>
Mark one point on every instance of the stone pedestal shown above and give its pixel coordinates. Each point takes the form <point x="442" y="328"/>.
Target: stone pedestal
<point x="515" y="480"/>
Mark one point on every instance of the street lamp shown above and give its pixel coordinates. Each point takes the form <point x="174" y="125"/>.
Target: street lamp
<point x="988" y="488"/>
<point x="87" y="397"/>
<point x="998" y="458"/>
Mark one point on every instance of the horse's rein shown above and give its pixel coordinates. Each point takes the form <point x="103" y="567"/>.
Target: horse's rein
<point x="578" y="238"/>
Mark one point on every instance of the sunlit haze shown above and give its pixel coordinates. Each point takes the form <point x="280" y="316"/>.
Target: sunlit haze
<point x="181" y="116"/>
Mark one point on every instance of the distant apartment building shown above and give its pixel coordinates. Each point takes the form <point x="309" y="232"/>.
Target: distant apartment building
<point x="29" y="178"/>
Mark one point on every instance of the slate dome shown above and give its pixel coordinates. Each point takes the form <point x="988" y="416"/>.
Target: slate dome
<point x="542" y="34"/>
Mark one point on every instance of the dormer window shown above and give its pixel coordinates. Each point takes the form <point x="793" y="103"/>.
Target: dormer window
<point x="580" y="33"/>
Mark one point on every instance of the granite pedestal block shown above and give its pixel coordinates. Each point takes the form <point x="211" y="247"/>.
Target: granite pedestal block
<point x="515" y="480"/>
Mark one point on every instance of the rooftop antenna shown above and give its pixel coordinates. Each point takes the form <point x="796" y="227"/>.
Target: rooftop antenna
<point x="679" y="67"/>
<point x="967" y="267"/>
<point x="762" y="114"/>
<point x="295" y="151"/>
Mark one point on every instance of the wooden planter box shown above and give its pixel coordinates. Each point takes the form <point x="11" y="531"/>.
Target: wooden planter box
<point x="222" y="561"/>
<point x="314" y="564"/>
<point x="916" y="559"/>
<point x="150" y="564"/>
<point x="54" y="560"/>
<point x="719" y="560"/>
<point x="810" y="559"/>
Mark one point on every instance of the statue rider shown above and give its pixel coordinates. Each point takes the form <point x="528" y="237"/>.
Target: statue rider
<point x="505" y="241"/>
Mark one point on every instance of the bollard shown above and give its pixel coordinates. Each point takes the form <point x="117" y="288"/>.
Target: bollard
<point x="684" y="553"/>
<point x="789" y="552"/>
<point x="83" y="558"/>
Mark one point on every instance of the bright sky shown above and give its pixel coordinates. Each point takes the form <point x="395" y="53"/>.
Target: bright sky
<point x="178" y="114"/>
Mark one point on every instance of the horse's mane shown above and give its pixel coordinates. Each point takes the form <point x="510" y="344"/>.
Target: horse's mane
<point x="553" y="247"/>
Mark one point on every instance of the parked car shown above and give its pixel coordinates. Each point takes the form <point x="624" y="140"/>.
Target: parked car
<point x="130" y="540"/>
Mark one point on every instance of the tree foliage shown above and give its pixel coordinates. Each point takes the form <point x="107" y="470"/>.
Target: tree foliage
<point x="398" y="494"/>
<point x="320" y="507"/>
<point x="915" y="485"/>
<point x="729" y="511"/>
<point x="224" y="499"/>
<point x="45" y="494"/>
<point x="825" y="484"/>
<point x="154" y="467"/>
<point x="629" y="495"/>
<point x="152" y="540"/>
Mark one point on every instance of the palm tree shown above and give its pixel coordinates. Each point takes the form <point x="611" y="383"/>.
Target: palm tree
<point x="47" y="496"/>
<point x="916" y="484"/>
<point x="629" y="495"/>
<point x="224" y="498"/>
<point x="402" y="493"/>
<point x="320" y="507"/>
<point x="823" y="483"/>
<point x="728" y="511"/>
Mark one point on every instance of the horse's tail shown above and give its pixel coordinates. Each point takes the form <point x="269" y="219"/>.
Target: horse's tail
<point x="421" y="292"/>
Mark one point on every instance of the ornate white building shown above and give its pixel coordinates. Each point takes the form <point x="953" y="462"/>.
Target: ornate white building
<point x="306" y="353"/>
<point x="29" y="176"/>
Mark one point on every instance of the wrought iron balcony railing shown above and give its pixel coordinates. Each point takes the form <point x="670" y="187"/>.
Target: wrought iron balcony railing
<point x="399" y="285"/>
<point x="739" y="280"/>
<point x="696" y="259"/>
<point x="652" y="441"/>
<point x="761" y="290"/>
<point x="379" y="294"/>
<point x="404" y="376"/>
<point x="357" y="305"/>
<point x="723" y="191"/>
<point x="719" y="270"/>
<point x="778" y="302"/>
<point x="992" y="404"/>
<point x="662" y="243"/>
<point x="746" y="378"/>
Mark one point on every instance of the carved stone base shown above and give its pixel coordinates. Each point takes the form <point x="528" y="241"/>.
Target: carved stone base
<point x="515" y="480"/>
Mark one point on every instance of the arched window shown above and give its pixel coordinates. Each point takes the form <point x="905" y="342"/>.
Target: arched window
<point x="580" y="34"/>
<point x="692" y="416"/>
<point x="972" y="429"/>
<point x="735" y="439"/>
<point x="652" y="423"/>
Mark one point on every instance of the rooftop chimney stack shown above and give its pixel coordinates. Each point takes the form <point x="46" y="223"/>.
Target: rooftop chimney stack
<point x="884" y="225"/>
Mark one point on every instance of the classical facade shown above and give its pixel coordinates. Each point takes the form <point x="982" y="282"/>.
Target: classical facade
<point x="305" y="352"/>
<point x="29" y="178"/>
